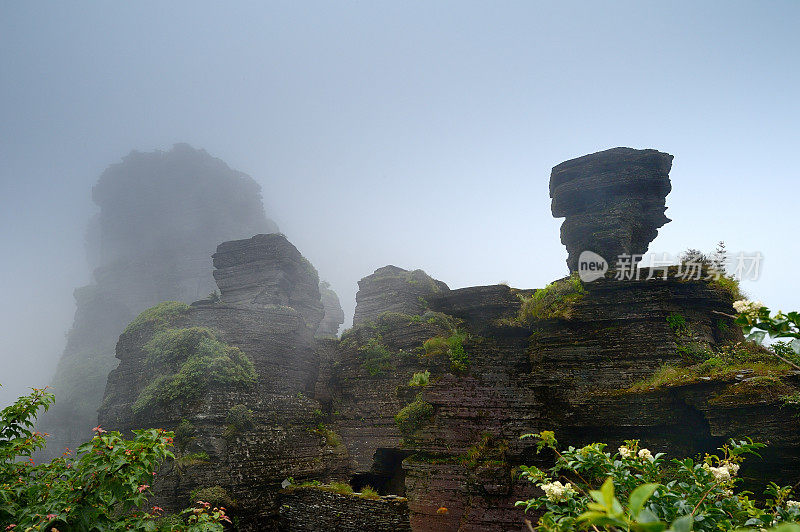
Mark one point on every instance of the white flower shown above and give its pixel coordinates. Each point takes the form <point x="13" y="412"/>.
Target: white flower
<point x="625" y="452"/>
<point x="724" y="472"/>
<point x="744" y="306"/>
<point x="646" y="454"/>
<point x="557" y="492"/>
<point x="793" y="505"/>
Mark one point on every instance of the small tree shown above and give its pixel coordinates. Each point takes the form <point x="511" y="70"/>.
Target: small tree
<point x="105" y="486"/>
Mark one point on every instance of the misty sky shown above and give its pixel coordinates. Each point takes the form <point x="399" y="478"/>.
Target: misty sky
<point x="419" y="134"/>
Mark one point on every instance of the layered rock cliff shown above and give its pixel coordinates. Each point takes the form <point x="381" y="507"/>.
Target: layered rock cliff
<point x="425" y="398"/>
<point x="239" y="437"/>
<point x="161" y="215"/>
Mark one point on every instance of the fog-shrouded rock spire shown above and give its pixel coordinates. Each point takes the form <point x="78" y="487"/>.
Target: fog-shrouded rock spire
<point x="162" y="214"/>
<point x="613" y="201"/>
<point x="334" y="315"/>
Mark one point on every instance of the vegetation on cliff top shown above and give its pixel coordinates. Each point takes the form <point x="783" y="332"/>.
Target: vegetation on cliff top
<point x="554" y="301"/>
<point x="187" y="362"/>
<point x="160" y="316"/>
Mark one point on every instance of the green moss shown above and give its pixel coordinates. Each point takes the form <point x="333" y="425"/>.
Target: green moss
<point x="730" y="286"/>
<point x="420" y="378"/>
<point x="414" y="415"/>
<point x="193" y="361"/>
<point x="452" y="346"/>
<point x="742" y="358"/>
<point x="555" y="301"/>
<point x="489" y="450"/>
<point x="331" y="438"/>
<point x="215" y="495"/>
<point x="677" y="322"/>
<point x="160" y="316"/>
<point x="192" y="459"/>
<point x="368" y="492"/>
<point x="342" y="488"/>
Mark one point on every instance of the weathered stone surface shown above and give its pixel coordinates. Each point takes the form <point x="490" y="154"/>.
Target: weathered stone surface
<point x="393" y="289"/>
<point x="267" y="270"/>
<point x="334" y="315"/>
<point x="613" y="201"/>
<point x="312" y="509"/>
<point x="274" y="327"/>
<point x="161" y="215"/>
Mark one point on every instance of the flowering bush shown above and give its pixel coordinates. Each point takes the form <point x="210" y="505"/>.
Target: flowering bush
<point x="659" y="494"/>
<point x="104" y="486"/>
<point x="758" y="323"/>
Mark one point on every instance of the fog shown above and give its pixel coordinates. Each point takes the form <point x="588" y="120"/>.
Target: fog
<point x="409" y="133"/>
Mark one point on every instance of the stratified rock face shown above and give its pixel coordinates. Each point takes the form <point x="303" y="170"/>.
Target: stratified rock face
<point x="613" y="201"/>
<point x="267" y="270"/>
<point x="267" y="310"/>
<point x="161" y="216"/>
<point x="312" y="510"/>
<point x="393" y="289"/>
<point x="334" y="315"/>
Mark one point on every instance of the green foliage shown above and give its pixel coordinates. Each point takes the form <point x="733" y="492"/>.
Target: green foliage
<point x="452" y="346"/>
<point x="758" y="323"/>
<point x="488" y="450"/>
<point x="641" y="491"/>
<point x="103" y="487"/>
<point x="551" y="302"/>
<point x="192" y="459"/>
<point x="729" y="285"/>
<point x="414" y="415"/>
<point x="199" y="360"/>
<point x="677" y="322"/>
<point x="160" y="316"/>
<point x="368" y="492"/>
<point x="721" y="364"/>
<point x="377" y="359"/>
<point x="331" y="438"/>
<point x="420" y="378"/>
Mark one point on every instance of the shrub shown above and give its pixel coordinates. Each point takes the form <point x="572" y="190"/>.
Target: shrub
<point x="377" y="358"/>
<point x="104" y="486"/>
<point x="452" y="346"/>
<point x="420" y="378"/>
<point x="207" y="363"/>
<point x="368" y="492"/>
<point x="414" y="415"/>
<point x="677" y="322"/>
<point x="331" y="438"/>
<point x="553" y="301"/>
<point x="642" y="491"/>
<point x="160" y="316"/>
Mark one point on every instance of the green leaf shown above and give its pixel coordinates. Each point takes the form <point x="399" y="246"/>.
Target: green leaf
<point x="607" y="492"/>
<point x="682" y="524"/>
<point x="639" y="497"/>
<point x="757" y="336"/>
<point x="795" y="345"/>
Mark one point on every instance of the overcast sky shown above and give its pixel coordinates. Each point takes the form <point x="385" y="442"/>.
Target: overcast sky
<point x="419" y="134"/>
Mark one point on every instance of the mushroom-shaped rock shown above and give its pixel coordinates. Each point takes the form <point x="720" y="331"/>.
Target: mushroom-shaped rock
<point x="613" y="202"/>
